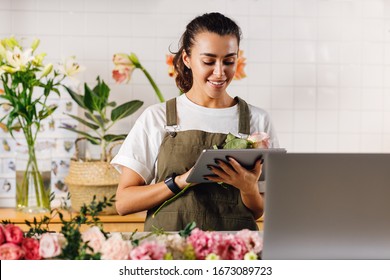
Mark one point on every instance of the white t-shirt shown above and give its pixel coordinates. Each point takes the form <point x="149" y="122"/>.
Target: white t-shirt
<point x="141" y="146"/>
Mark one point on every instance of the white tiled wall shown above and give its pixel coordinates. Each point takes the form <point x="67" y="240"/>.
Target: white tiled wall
<point x="320" y="67"/>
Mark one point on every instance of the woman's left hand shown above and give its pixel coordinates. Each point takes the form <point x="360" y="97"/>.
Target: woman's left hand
<point x="234" y="174"/>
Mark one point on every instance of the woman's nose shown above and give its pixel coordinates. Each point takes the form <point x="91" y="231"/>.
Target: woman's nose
<point x="218" y="70"/>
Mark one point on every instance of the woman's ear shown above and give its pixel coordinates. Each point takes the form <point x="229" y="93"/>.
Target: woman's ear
<point x="186" y="59"/>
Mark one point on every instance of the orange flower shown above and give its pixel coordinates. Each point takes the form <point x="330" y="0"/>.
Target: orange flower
<point x="241" y="62"/>
<point x="171" y="68"/>
<point x="1" y="91"/>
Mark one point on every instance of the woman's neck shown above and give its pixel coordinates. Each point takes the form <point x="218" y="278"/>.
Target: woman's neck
<point x="224" y="101"/>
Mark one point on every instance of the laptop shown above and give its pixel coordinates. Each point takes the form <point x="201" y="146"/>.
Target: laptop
<point x="327" y="206"/>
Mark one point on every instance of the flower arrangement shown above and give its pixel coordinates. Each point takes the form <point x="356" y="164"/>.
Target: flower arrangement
<point x="27" y="84"/>
<point x="190" y="243"/>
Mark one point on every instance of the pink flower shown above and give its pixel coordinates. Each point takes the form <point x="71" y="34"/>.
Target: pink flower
<point x="241" y="62"/>
<point x="31" y="248"/>
<point x="204" y="243"/>
<point x="259" y="140"/>
<point x="115" y="248"/>
<point x="2" y="234"/>
<point x="124" y="67"/>
<point x="252" y="240"/>
<point x="232" y="248"/>
<point x="13" y="234"/>
<point x="11" y="251"/>
<point x="94" y="237"/>
<point x="148" y="251"/>
<point x="50" y="245"/>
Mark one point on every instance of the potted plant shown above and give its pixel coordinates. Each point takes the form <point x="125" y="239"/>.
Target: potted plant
<point x="27" y="83"/>
<point x="97" y="177"/>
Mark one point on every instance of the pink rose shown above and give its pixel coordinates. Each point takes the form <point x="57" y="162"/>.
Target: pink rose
<point x="50" y="245"/>
<point x="148" y="251"/>
<point x="11" y="251"/>
<point x="204" y="243"/>
<point x="252" y="240"/>
<point x="260" y="140"/>
<point x="232" y="248"/>
<point x="31" y="248"/>
<point x="2" y="234"/>
<point x="115" y="248"/>
<point x="94" y="237"/>
<point x="13" y="234"/>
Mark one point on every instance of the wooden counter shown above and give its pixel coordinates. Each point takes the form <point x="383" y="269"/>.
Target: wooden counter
<point x="112" y="223"/>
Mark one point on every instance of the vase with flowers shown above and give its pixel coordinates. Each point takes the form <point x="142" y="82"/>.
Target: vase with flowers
<point x="27" y="83"/>
<point x="88" y="176"/>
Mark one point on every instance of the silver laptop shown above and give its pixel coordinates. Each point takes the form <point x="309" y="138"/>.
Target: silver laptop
<point x="327" y="206"/>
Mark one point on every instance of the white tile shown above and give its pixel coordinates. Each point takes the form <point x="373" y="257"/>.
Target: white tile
<point x="373" y="52"/>
<point x="260" y="7"/>
<point x="373" y="8"/>
<point x="326" y="143"/>
<point x="327" y="98"/>
<point x="349" y="143"/>
<point x="372" y="99"/>
<point x="304" y="121"/>
<point x="305" y="51"/>
<point x="304" y="143"/>
<point x="282" y="28"/>
<point x="351" y="29"/>
<point x="386" y="99"/>
<point x="96" y="48"/>
<point x="305" y="75"/>
<point x="351" y="9"/>
<point x="373" y="75"/>
<point x="350" y="75"/>
<point x="145" y="49"/>
<point x="286" y="141"/>
<point x="328" y="52"/>
<point x="373" y="29"/>
<point x="329" y="29"/>
<point x="282" y="7"/>
<point x="387" y="76"/>
<point x="5" y="22"/>
<point x="350" y="52"/>
<point x="144" y="25"/>
<point x="328" y="75"/>
<point x="122" y="6"/>
<point x="371" y="144"/>
<point x="72" y="5"/>
<point x="169" y="26"/>
<point x="371" y="122"/>
<point x="387" y="30"/>
<point x="73" y="23"/>
<point x="24" y="22"/>
<point x="386" y="122"/>
<point x="305" y="28"/>
<point x="24" y="5"/>
<point x="236" y="7"/>
<point x="120" y="25"/>
<point x="282" y="51"/>
<point x="349" y="121"/>
<point x="305" y="98"/>
<point x="329" y="8"/>
<point x="386" y="9"/>
<point x="327" y="121"/>
<point x="258" y="51"/>
<point x="238" y="90"/>
<point x="260" y="97"/>
<point x="48" y="23"/>
<point x="96" y="24"/>
<point x="51" y="45"/>
<point x="282" y="74"/>
<point x="306" y="8"/>
<point x="69" y="48"/>
<point x="5" y="5"/>
<point x="350" y="98"/>
<point x="49" y="5"/>
<point x="259" y="27"/>
<point x="258" y="74"/>
<point x="97" y="6"/>
<point x="282" y="98"/>
<point x="386" y="144"/>
<point x="283" y="120"/>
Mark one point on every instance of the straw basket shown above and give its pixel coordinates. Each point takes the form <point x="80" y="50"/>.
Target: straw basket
<point x="88" y="178"/>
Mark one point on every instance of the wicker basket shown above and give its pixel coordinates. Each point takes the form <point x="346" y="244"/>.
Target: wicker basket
<point x="88" y="178"/>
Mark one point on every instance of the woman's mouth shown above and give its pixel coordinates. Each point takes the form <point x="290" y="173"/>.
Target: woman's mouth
<point x="216" y="84"/>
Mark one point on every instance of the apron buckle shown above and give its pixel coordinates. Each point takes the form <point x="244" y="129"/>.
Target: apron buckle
<point x="171" y="130"/>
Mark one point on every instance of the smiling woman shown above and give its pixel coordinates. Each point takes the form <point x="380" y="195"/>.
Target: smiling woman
<point x="165" y="142"/>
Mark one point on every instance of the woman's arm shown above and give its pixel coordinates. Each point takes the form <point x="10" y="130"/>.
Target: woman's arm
<point x="244" y="180"/>
<point x="133" y="196"/>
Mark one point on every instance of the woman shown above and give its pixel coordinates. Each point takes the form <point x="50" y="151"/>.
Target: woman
<point x="168" y="138"/>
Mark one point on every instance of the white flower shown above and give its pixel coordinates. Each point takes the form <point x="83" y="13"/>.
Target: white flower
<point x="50" y="245"/>
<point x="94" y="237"/>
<point x="18" y="59"/>
<point x="115" y="248"/>
<point x="69" y="67"/>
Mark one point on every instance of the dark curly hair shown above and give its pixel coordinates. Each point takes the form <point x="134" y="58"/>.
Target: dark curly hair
<point x="210" y="22"/>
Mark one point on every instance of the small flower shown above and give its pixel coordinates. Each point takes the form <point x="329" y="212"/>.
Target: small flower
<point x="69" y="67"/>
<point x="123" y="69"/>
<point x="259" y="140"/>
<point x="204" y="243"/>
<point x="50" y="245"/>
<point x="250" y="256"/>
<point x="13" y="234"/>
<point x="94" y="237"/>
<point x="31" y="249"/>
<point x="252" y="240"/>
<point x="115" y="248"/>
<point x="148" y="251"/>
<point x="46" y="71"/>
<point x="212" y="257"/>
<point x="171" y="68"/>
<point x="241" y="62"/>
<point x="18" y="59"/>
<point x="11" y="251"/>
<point x="232" y="248"/>
<point x="2" y="231"/>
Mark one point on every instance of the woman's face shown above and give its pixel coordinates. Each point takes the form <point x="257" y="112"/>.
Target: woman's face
<point x="213" y="63"/>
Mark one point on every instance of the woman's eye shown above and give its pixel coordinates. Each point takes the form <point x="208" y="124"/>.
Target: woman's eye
<point x="208" y="62"/>
<point x="229" y="62"/>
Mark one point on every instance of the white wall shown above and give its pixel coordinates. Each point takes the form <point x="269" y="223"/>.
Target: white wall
<point x="320" y="67"/>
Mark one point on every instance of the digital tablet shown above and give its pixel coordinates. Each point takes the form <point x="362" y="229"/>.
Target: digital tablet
<point x="246" y="157"/>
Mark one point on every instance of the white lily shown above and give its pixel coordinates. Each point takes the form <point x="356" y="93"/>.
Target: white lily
<point x="70" y="67"/>
<point x="18" y="59"/>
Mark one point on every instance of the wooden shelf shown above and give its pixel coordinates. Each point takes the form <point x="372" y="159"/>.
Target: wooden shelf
<point x="112" y="223"/>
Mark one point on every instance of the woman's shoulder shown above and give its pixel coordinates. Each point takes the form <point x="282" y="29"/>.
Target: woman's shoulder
<point x="257" y="111"/>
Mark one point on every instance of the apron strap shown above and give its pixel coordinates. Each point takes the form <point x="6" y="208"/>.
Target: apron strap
<point x="171" y="113"/>
<point x="244" y="117"/>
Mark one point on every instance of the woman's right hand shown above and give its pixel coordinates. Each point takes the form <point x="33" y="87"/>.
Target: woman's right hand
<point x="181" y="180"/>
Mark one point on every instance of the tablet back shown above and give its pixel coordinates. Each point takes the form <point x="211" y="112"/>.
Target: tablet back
<point x="327" y="206"/>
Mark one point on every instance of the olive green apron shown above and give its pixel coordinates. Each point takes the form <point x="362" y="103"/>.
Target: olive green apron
<point x="210" y="205"/>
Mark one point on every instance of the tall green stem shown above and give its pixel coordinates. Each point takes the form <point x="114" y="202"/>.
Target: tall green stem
<point x="155" y="87"/>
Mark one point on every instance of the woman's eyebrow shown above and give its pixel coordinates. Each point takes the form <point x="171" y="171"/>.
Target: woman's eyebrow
<point x="214" y="55"/>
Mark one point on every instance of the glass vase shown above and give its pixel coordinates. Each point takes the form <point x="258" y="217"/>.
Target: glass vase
<point x="33" y="179"/>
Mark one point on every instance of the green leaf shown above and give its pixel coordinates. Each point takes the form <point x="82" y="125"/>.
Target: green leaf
<point x="76" y="97"/>
<point x="236" y="144"/>
<point x="125" y="110"/>
<point x="90" y="125"/>
<point x="113" y="138"/>
<point x="112" y="104"/>
<point x="94" y="140"/>
<point x="95" y="118"/>
<point x="90" y="99"/>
